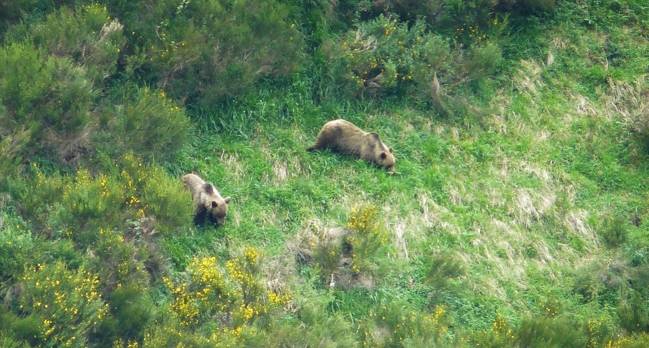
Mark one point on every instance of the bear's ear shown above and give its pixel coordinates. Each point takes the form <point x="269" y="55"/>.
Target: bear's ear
<point x="208" y="188"/>
<point x="214" y="204"/>
<point x="383" y="155"/>
<point x="227" y="200"/>
<point x="375" y="136"/>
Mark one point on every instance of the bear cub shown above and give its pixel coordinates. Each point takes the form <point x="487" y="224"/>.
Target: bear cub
<point x="344" y="137"/>
<point x="208" y="202"/>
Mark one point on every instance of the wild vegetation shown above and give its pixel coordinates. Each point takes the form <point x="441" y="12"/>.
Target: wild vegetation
<point x="518" y="216"/>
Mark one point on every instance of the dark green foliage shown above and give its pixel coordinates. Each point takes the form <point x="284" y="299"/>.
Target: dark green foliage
<point x="87" y="35"/>
<point x="131" y="310"/>
<point x="209" y="50"/>
<point x="16" y="247"/>
<point x="384" y="57"/>
<point x="634" y="311"/>
<point x="147" y="123"/>
<point x="26" y="329"/>
<point x="466" y="19"/>
<point x="47" y="97"/>
<point x="545" y="332"/>
<point x="614" y="231"/>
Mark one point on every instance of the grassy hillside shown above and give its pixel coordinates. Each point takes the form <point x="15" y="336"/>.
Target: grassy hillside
<point x="517" y="217"/>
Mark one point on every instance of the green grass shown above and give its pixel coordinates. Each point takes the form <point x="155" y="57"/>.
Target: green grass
<point x="520" y="189"/>
<point x="516" y="195"/>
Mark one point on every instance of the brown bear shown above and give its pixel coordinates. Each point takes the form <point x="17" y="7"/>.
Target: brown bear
<point x="208" y="202"/>
<point x="344" y="137"/>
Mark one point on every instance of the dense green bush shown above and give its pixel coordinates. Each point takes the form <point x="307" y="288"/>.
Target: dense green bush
<point x="208" y="50"/>
<point x="130" y="313"/>
<point x="613" y="231"/>
<point x="68" y="301"/>
<point x="48" y="97"/>
<point x="448" y="15"/>
<point x="16" y="246"/>
<point x="78" y="207"/>
<point x="384" y="57"/>
<point x="146" y="123"/>
<point x="87" y="35"/>
<point x="633" y="311"/>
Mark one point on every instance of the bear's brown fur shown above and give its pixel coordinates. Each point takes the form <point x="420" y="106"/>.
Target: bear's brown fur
<point x="344" y="137"/>
<point x="208" y="202"/>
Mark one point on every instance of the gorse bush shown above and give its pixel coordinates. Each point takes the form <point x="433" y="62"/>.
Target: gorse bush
<point x="16" y="246"/>
<point x="68" y="301"/>
<point x="347" y="257"/>
<point x="384" y="57"/>
<point x="48" y="97"/>
<point x="210" y="50"/>
<point x="147" y="123"/>
<point x="79" y="206"/>
<point x="232" y="294"/>
<point x="367" y="239"/>
<point x="86" y="35"/>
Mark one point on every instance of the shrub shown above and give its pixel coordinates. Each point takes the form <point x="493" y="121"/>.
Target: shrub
<point x="119" y="260"/>
<point x="74" y="207"/>
<point x="154" y="193"/>
<point x="68" y="302"/>
<point x="550" y="332"/>
<point x="384" y="57"/>
<point x="16" y="246"/>
<point x="26" y="329"/>
<point x="11" y="11"/>
<point x="234" y="293"/>
<point x="79" y="206"/>
<point x="630" y="341"/>
<point x="208" y="50"/>
<point x="440" y="268"/>
<point x="347" y="257"/>
<point x="86" y="35"/>
<point x="633" y="312"/>
<point x="11" y="147"/>
<point x="613" y="231"/>
<point x="398" y="325"/>
<point x="367" y="238"/>
<point x="131" y="310"/>
<point x="48" y="97"/>
<point x="147" y="124"/>
<point x="453" y="14"/>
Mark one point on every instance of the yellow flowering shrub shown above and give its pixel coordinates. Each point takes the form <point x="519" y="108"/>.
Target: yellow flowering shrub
<point x="68" y="301"/>
<point x="77" y="206"/>
<point x="367" y="238"/>
<point x="233" y="293"/>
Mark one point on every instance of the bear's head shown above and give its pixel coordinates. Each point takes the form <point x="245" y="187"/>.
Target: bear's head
<point x="215" y="205"/>
<point x="383" y="155"/>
